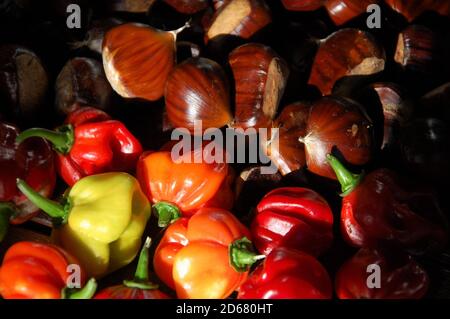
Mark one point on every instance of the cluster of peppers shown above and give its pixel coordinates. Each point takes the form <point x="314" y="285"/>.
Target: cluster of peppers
<point x="101" y="219"/>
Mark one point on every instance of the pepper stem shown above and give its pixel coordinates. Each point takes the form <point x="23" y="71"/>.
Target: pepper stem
<point x="347" y="179"/>
<point x="241" y="254"/>
<point x="87" y="292"/>
<point x="140" y="280"/>
<point x="6" y="211"/>
<point x="167" y="213"/>
<point x="50" y="207"/>
<point x="62" y="138"/>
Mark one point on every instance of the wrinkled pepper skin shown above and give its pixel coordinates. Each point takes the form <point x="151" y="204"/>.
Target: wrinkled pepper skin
<point x="31" y="161"/>
<point x="293" y="217"/>
<point x="101" y="222"/>
<point x="90" y="143"/>
<point x="184" y="187"/>
<point x="377" y="210"/>
<point x="288" y="274"/>
<point x="193" y="256"/>
<point x="400" y="276"/>
<point x="37" y="271"/>
<point x="138" y="288"/>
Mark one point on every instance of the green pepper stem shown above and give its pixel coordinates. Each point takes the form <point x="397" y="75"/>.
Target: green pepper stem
<point x="140" y="280"/>
<point x="167" y="213"/>
<point x="6" y="211"/>
<point x="87" y="292"/>
<point x="62" y="138"/>
<point x="347" y="179"/>
<point x="241" y="254"/>
<point x="50" y="207"/>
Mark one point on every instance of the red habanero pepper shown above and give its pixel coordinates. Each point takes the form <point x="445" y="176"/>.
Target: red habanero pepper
<point x="138" y="288"/>
<point x="41" y="271"/>
<point x="181" y="187"/>
<point x="287" y="274"/>
<point x="205" y="256"/>
<point x="90" y="143"/>
<point x="381" y="274"/>
<point x="293" y="217"/>
<point x="31" y="161"/>
<point x="377" y="210"/>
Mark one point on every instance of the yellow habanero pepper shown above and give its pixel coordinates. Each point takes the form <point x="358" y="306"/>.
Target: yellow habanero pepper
<point x="100" y="222"/>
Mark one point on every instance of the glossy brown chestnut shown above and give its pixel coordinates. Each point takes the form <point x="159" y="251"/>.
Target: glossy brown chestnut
<point x="302" y="5"/>
<point x="188" y="6"/>
<point x="337" y="125"/>
<point x="389" y="109"/>
<point x="260" y="76"/>
<point x="132" y="6"/>
<point x="417" y="49"/>
<point x="197" y="89"/>
<point x="82" y="82"/>
<point x="347" y="52"/>
<point x="241" y="18"/>
<point x="289" y="156"/>
<point x="23" y="81"/>
<point x="412" y="9"/>
<point x="342" y="11"/>
<point x="138" y="59"/>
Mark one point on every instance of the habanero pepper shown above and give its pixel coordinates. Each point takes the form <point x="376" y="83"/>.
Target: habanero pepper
<point x="205" y="256"/>
<point x="287" y="274"/>
<point x="138" y="288"/>
<point x="40" y="271"/>
<point x="377" y="210"/>
<point x="400" y="277"/>
<point x="90" y="143"/>
<point x="100" y="222"/>
<point x="32" y="161"/>
<point x="293" y="217"/>
<point x="180" y="188"/>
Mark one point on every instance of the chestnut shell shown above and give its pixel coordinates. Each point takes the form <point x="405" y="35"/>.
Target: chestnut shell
<point x="196" y="90"/>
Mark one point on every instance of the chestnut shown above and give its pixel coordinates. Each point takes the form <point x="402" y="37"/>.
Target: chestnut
<point x="138" y="59"/>
<point x="389" y="108"/>
<point x="289" y="156"/>
<point x="412" y="9"/>
<point x="345" y="53"/>
<point x="417" y="49"/>
<point x="82" y="82"/>
<point x="260" y="76"/>
<point x="342" y="11"/>
<point x="188" y="6"/>
<point x="197" y="90"/>
<point x="302" y="5"/>
<point x="23" y="82"/>
<point x="337" y="125"/>
<point x="241" y="18"/>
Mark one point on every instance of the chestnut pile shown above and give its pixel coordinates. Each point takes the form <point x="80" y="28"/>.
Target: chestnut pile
<point x="373" y="98"/>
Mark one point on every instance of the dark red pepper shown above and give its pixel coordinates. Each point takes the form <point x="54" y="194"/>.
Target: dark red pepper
<point x="293" y="217"/>
<point x="90" y="143"/>
<point x="31" y="161"/>
<point x="287" y="274"/>
<point x="400" y="277"/>
<point x="376" y="210"/>
<point x="138" y="288"/>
